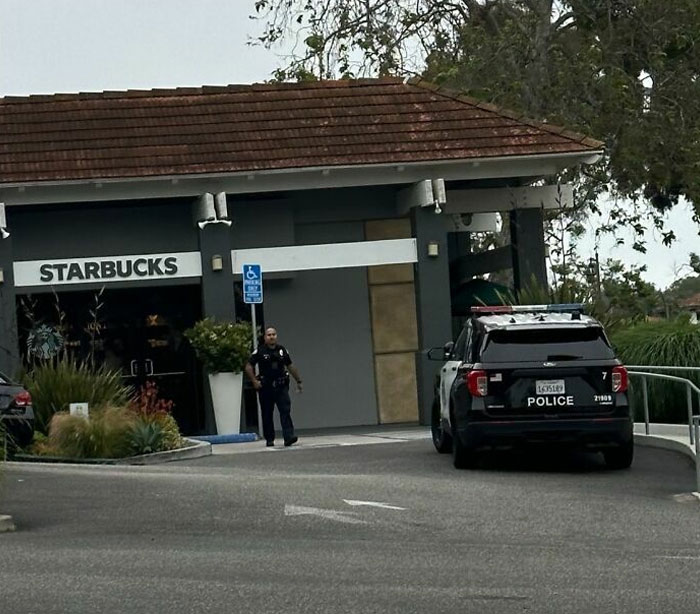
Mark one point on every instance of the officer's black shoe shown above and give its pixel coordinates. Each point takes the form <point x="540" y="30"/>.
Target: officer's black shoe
<point x="270" y="444"/>
<point x="289" y="442"/>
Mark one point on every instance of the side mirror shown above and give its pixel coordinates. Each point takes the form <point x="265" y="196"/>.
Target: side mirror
<point x="442" y="354"/>
<point x="435" y="354"/>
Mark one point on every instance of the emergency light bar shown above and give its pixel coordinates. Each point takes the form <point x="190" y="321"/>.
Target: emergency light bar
<point x="555" y="308"/>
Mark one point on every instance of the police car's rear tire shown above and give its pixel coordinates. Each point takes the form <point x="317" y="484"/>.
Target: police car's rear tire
<point x="620" y="457"/>
<point x="441" y="439"/>
<point x="463" y="457"/>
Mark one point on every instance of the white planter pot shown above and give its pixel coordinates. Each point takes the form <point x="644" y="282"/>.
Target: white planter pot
<point x="226" y="393"/>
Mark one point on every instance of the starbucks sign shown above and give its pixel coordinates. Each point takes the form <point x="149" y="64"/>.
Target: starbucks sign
<point x="107" y="269"/>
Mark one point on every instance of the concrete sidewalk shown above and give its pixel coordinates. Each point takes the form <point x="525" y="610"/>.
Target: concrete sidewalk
<point x="675" y="437"/>
<point x="332" y="437"/>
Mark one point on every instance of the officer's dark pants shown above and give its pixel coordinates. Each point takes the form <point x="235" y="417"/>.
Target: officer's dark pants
<point x="269" y="397"/>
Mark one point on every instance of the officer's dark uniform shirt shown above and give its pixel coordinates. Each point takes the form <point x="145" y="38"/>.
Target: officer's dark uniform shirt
<point x="272" y="365"/>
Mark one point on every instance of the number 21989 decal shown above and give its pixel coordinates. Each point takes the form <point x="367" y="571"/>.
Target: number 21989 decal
<point x="603" y="399"/>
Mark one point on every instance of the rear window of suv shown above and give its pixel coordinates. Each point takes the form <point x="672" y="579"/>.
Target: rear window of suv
<point x="546" y="345"/>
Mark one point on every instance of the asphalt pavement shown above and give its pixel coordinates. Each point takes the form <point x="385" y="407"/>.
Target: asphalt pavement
<point x="386" y="527"/>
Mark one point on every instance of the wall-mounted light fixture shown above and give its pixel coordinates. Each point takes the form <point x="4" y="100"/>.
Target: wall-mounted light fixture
<point x="217" y="263"/>
<point x="433" y="249"/>
<point x="2" y="275"/>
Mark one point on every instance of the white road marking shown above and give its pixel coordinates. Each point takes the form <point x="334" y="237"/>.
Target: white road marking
<point x="298" y="510"/>
<point x="385" y="506"/>
<point x="680" y="558"/>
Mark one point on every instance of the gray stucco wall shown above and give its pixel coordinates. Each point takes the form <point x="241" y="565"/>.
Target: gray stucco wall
<point x="105" y="229"/>
<point x="323" y="316"/>
<point x="9" y="349"/>
<point x="323" y="319"/>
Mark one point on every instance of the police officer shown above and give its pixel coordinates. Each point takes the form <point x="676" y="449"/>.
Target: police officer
<point x="272" y="384"/>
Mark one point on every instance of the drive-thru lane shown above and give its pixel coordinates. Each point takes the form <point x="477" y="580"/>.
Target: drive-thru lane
<point x="376" y="528"/>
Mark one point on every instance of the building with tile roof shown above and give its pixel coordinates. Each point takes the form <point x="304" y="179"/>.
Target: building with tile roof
<point x="161" y="196"/>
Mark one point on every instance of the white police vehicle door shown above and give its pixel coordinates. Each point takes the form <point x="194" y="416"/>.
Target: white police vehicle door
<point x="450" y="370"/>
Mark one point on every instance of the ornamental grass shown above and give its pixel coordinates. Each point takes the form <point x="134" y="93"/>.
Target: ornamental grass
<point x="56" y="383"/>
<point x="661" y="343"/>
<point x="107" y="433"/>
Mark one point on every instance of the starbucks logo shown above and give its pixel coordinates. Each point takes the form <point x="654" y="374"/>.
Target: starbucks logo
<point x="44" y="342"/>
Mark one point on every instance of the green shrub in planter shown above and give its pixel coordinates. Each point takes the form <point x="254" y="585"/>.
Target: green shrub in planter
<point x="56" y="383"/>
<point x="172" y="439"/>
<point x="146" y="437"/>
<point x="221" y="346"/>
<point x="662" y="343"/>
<point x="165" y="424"/>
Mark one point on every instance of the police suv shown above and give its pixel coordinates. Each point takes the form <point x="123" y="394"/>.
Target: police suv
<point x="531" y="374"/>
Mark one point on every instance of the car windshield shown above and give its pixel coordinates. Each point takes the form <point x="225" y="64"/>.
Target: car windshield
<point x="547" y="344"/>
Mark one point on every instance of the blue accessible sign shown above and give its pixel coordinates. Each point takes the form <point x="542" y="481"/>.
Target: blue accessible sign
<point x="252" y="283"/>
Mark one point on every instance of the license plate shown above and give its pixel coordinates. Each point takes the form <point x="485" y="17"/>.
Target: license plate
<point x="550" y="386"/>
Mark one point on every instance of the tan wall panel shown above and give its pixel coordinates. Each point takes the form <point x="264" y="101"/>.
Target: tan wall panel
<point x="396" y="387"/>
<point x="394" y="325"/>
<point x="390" y="273"/>
<point x="378" y="230"/>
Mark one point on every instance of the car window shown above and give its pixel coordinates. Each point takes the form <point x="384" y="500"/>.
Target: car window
<point x="547" y="344"/>
<point x="474" y="345"/>
<point x="461" y="344"/>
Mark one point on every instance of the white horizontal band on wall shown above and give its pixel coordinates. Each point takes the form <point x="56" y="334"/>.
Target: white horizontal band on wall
<point x="106" y="269"/>
<point x="327" y="255"/>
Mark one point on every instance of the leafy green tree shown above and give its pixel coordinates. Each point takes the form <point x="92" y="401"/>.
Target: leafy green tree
<point x="684" y="288"/>
<point x="629" y="297"/>
<point x="623" y="71"/>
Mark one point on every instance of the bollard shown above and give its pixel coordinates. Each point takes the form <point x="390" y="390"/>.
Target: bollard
<point x="689" y="397"/>
<point x="696" y="426"/>
<point x="646" y="405"/>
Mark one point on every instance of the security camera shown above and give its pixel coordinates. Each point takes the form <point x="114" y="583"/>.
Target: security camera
<point x="438" y="209"/>
<point x="3" y="233"/>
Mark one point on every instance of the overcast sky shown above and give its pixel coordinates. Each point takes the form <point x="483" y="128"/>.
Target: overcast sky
<point x="50" y="46"/>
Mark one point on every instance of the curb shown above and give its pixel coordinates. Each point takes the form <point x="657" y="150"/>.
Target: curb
<point x="197" y="449"/>
<point x="6" y="524"/>
<point x="232" y="438"/>
<point x="664" y="443"/>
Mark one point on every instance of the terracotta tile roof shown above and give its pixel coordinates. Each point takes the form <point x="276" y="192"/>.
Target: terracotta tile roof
<point x="247" y="128"/>
<point x="691" y="301"/>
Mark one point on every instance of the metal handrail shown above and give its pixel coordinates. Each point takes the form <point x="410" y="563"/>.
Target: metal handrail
<point x="689" y="397"/>
<point x="693" y="421"/>
<point x="662" y="368"/>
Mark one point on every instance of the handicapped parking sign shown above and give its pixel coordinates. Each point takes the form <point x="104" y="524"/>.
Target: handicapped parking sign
<point x="252" y="283"/>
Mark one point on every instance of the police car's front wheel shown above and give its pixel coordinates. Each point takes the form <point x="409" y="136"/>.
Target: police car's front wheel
<point x="441" y="440"/>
